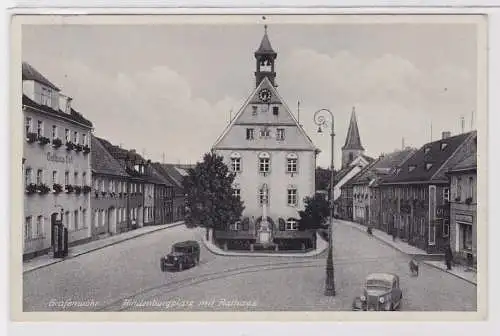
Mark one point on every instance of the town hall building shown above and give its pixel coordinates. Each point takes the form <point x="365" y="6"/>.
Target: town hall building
<point x="274" y="161"/>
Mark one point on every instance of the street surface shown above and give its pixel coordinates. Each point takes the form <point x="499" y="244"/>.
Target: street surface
<point x="127" y="277"/>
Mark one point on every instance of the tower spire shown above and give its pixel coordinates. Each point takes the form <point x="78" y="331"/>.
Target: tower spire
<point x="265" y="57"/>
<point x="353" y="140"/>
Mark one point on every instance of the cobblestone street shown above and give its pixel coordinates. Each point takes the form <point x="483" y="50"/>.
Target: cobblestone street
<point x="126" y="276"/>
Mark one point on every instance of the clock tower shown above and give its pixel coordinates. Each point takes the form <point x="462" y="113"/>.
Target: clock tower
<point x="265" y="57"/>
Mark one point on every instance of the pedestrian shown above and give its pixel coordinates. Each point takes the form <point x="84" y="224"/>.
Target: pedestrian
<point x="394" y="234"/>
<point x="448" y="257"/>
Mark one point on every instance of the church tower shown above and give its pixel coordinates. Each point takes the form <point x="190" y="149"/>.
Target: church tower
<point x="352" y="147"/>
<point x="265" y="57"/>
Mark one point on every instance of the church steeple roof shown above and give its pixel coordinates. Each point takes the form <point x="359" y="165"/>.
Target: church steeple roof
<point x="265" y="46"/>
<point x="353" y="140"/>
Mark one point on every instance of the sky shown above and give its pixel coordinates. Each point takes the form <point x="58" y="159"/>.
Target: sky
<point x="168" y="90"/>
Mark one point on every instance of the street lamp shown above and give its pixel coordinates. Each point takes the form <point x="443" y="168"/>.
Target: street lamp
<point x="320" y="120"/>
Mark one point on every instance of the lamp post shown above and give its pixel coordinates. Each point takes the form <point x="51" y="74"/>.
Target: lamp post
<point x="320" y="120"/>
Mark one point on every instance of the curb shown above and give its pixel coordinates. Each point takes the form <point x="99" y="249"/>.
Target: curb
<point x="219" y="252"/>
<point x="454" y="274"/>
<point x="393" y="246"/>
<point x="100" y="247"/>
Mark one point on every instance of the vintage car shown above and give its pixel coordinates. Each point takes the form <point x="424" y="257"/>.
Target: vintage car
<point x="183" y="255"/>
<point x="381" y="293"/>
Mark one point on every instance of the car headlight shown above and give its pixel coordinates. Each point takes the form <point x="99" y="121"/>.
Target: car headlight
<point x="362" y="298"/>
<point x="382" y="300"/>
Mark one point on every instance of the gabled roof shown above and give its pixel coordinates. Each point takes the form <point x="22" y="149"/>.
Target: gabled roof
<point x="265" y="45"/>
<point x="425" y="163"/>
<point x="102" y="162"/>
<point x="30" y="73"/>
<point x="467" y="164"/>
<point x="175" y="174"/>
<point x="74" y="115"/>
<point x="288" y="118"/>
<point x="383" y="165"/>
<point x="353" y="140"/>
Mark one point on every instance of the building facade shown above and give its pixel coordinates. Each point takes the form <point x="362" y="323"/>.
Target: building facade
<point x="416" y="198"/>
<point x="56" y="165"/>
<point x="175" y="174"/>
<point x="274" y="161"/>
<point x="108" y="199"/>
<point x="366" y="194"/>
<point x="463" y="210"/>
<point x="163" y="195"/>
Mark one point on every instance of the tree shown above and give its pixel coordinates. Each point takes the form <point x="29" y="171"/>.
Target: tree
<point x="210" y="200"/>
<point x="323" y="178"/>
<point x="315" y="212"/>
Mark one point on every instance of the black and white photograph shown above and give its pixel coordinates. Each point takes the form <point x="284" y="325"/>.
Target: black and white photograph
<point x="251" y="163"/>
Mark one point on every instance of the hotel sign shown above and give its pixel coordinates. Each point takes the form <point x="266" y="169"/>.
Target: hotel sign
<point x="62" y="159"/>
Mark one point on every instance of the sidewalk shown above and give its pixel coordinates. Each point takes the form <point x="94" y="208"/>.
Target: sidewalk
<point x="46" y="260"/>
<point x="321" y="246"/>
<point x="459" y="271"/>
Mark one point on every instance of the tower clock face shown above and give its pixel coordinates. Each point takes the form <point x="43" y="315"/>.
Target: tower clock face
<point x="265" y="95"/>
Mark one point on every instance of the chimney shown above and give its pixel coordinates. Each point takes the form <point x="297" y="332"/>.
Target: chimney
<point x="446" y="134"/>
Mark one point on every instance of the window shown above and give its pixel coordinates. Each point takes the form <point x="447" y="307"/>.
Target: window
<point x="265" y="132"/>
<point x="444" y="145"/>
<point x="280" y="134"/>
<point x="446" y="194"/>
<point x="39" y="176"/>
<point x="292" y="196"/>
<point x="28" y="228"/>
<point x="75" y="218"/>
<point x="28" y="125"/>
<point x="102" y="185"/>
<point x="264" y="108"/>
<point x="292" y="225"/>
<point x="411" y="168"/>
<point x="96" y="218"/>
<point x="236" y="162"/>
<point x="446" y="227"/>
<point x="427" y="150"/>
<point x="28" y="178"/>
<point x="264" y="162"/>
<point x="466" y="237"/>
<point x="54" y="132"/>
<point x="276" y="110"/>
<point x="84" y="139"/>
<point x="46" y="96"/>
<point x="459" y="188"/>
<point x="54" y="177"/>
<point x="67" y="135"/>
<point x="428" y="166"/>
<point x="66" y="178"/>
<point x="471" y="187"/>
<point x="75" y="181"/>
<point x="249" y="133"/>
<point x="264" y="195"/>
<point x="84" y="218"/>
<point x="84" y="178"/>
<point x="75" y="137"/>
<point x="351" y="157"/>
<point x="67" y="219"/>
<point x="291" y="163"/>
<point x="39" y="128"/>
<point x="254" y="110"/>
<point x="237" y="191"/>
<point x="102" y="217"/>
<point x="39" y="227"/>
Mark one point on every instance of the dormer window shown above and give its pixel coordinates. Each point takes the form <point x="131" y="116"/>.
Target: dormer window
<point x="46" y="96"/>
<point x="428" y="166"/>
<point x="444" y="145"/>
<point x="427" y="150"/>
<point x="411" y="168"/>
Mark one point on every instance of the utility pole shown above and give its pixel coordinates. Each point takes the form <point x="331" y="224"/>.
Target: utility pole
<point x="298" y="112"/>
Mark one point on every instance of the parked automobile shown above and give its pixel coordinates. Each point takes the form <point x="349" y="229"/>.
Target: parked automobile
<point x="381" y="293"/>
<point x="183" y="255"/>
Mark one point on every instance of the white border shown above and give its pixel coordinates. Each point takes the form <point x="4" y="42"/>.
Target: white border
<point x="456" y="328"/>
